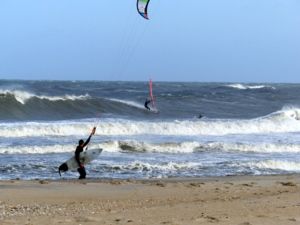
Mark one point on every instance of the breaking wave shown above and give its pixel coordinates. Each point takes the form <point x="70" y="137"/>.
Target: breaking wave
<point x="276" y="165"/>
<point x="163" y="147"/>
<point x="24" y="96"/>
<point x="25" y="105"/>
<point x="129" y="103"/>
<point x="245" y="87"/>
<point x="147" y="167"/>
<point x="37" y="149"/>
<point x="287" y="120"/>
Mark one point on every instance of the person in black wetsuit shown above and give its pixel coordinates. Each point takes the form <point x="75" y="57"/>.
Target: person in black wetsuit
<point x="79" y="149"/>
<point x="147" y="103"/>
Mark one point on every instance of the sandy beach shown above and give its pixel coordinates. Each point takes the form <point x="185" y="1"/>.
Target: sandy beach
<point x="240" y="200"/>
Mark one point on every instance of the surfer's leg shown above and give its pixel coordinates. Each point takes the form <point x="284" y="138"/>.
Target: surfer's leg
<point x="82" y="173"/>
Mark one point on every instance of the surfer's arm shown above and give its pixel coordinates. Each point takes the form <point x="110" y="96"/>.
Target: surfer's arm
<point x="87" y="141"/>
<point x="89" y="138"/>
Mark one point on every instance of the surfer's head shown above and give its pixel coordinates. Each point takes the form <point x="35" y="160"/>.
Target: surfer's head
<point x="80" y="142"/>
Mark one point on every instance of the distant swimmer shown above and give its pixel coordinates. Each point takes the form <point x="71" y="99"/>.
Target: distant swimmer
<point x="79" y="149"/>
<point x="147" y="102"/>
<point x="200" y="116"/>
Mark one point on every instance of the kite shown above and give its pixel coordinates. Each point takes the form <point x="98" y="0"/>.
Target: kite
<point x="142" y="8"/>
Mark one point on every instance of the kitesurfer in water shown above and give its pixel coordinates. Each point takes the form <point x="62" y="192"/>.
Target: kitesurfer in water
<point x="79" y="149"/>
<point x="147" y="103"/>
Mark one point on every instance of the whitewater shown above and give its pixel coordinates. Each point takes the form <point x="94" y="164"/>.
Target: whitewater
<point x="245" y="129"/>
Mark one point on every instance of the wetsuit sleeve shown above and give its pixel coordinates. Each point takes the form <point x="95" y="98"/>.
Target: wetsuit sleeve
<point x="77" y="153"/>
<point x="87" y="141"/>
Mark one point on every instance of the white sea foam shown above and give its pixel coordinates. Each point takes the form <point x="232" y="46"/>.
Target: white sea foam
<point x="36" y="149"/>
<point x="141" y="146"/>
<point x="279" y="122"/>
<point x="286" y="112"/>
<point x="23" y="96"/>
<point x="44" y="149"/>
<point x="276" y="165"/>
<point x="143" y="166"/>
<point x="164" y="147"/>
<point x="109" y="146"/>
<point x="250" y="147"/>
<point x="245" y="87"/>
<point x="127" y="102"/>
<point x="194" y="146"/>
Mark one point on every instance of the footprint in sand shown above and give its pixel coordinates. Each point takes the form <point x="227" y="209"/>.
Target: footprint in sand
<point x="159" y="184"/>
<point x="209" y="219"/>
<point x="245" y="223"/>
<point x="247" y="185"/>
<point x="43" y="182"/>
<point x="83" y="219"/>
<point x="194" y="185"/>
<point x="289" y="184"/>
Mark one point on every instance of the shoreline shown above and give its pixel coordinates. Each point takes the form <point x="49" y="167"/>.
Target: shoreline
<point x="170" y="179"/>
<point x="240" y="200"/>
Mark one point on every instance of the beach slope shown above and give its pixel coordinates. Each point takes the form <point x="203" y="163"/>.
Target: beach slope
<point x="240" y="200"/>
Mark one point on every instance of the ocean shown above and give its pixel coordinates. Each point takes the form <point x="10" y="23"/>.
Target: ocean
<point x="244" y="129"/>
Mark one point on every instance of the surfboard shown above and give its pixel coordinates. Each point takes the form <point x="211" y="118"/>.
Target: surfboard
<point x="85" y="158"/>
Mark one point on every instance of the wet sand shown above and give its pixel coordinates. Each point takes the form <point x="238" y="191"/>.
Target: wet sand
<point x="238" y="200"/>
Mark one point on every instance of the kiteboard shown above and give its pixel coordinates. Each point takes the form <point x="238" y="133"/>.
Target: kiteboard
<point x="85" y="158"/>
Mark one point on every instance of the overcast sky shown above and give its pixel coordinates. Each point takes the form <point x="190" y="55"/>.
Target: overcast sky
<point x="195" y="40"/>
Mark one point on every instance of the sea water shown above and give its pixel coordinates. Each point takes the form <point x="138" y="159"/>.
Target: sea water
<point x="244" y="129"/>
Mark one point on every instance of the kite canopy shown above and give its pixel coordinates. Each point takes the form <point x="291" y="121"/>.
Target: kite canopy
<point x="142" y="6"/>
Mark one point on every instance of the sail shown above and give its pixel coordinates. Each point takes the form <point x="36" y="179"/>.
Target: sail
<point x="142" y="8"/>
<point x="151" y="94"/>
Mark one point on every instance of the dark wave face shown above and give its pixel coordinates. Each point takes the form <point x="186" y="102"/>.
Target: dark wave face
<point x="60" y="100"/>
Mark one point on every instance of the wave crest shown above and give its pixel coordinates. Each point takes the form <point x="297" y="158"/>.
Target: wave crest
<point x="165" y="147"/>
<point x="245" y="86"/>
<point x="23" y="96"/>
<point x="279" y="122"/>
<point x="276" y="165"/>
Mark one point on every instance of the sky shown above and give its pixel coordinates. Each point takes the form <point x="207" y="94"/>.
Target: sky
<point x="194" y="40"/>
